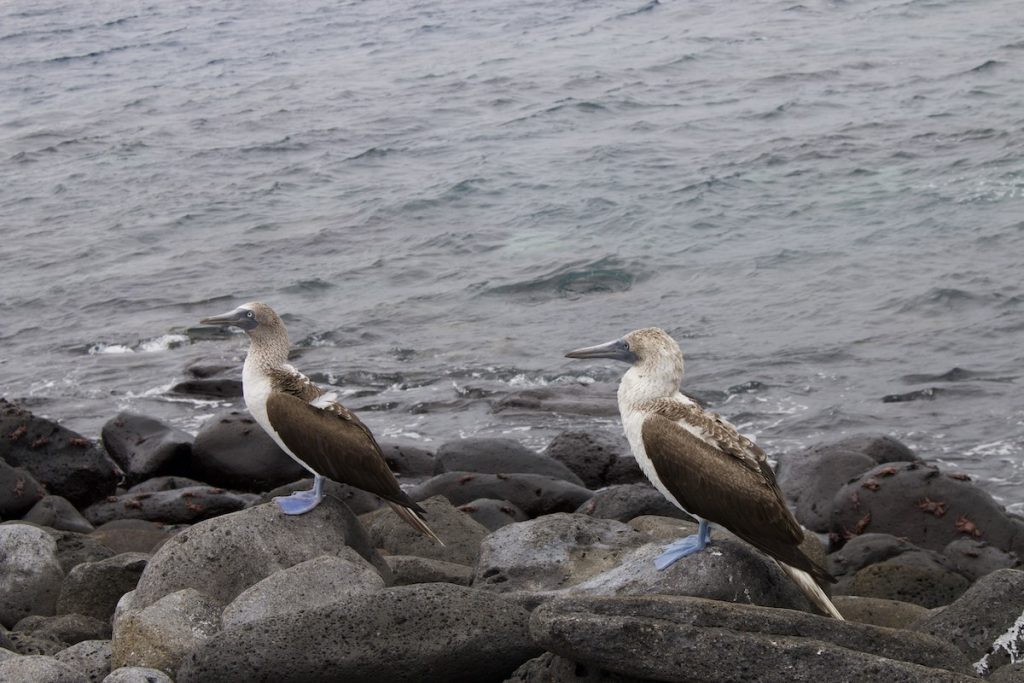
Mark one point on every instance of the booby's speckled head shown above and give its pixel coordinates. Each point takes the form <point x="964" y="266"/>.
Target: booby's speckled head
<point x="255" y="318"/>
<point x="655" y="356"/>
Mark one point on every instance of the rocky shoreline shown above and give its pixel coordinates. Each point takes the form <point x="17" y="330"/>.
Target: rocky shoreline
<point x="153" y="555"/>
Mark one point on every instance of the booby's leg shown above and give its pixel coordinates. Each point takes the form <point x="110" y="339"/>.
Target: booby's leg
<point x="684" y="546"/>
<point x="302" y="501"/>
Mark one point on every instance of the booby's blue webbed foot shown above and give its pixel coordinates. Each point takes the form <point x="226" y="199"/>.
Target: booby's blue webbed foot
<point x="684" y="546"/>
<point x="302" y="502"/>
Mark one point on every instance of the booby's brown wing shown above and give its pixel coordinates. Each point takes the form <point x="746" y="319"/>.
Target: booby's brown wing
<point x="726" y="490"/>
<point x="335" y="443"/>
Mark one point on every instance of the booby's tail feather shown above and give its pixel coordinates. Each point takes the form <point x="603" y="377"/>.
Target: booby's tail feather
<point x="415" y="521"/>
<point x="812" y="590"/>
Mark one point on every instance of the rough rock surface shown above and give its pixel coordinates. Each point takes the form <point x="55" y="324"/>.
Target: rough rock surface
<point x="669" y="638"/>
<point x="65" y="462"/>
<point x="65" y="628"/>
<point x="987" y="622"/>
<point x="94" y="588"/>
<point x="552" y="552"/>
<point x="410" y="569"/>
<point x="626" y="501"/>
<point x="19" y="490"/>
<point x="137" y="674"/>
<point x="550" y="668"/>
<point x="878" y="611"/>
<point x="916" y="577"/>
<point x="811" y="478"/>
<point x="499" y="456"/>
<point x="160" y="634"/>
<point x="925" y="506"/>
<point x="357" y="500"/>
<point x="30" y="573"/>
<point x="74" y="549"/>
<point x="534" y="494"/>
<point x="174" y="506"/>
<point x="408" y="461"/>
<point x="424" y="633"/>
<point x="225" y="555"/>
<point x="303" y="586"/>
<point x="975" y="559"/>
<point x="234" y="452"/>
<point x="145" y="447"/>
<point x="597" y="458"/>
<point x="90" y="657"/>
<point x="57" y="512"/>
<point x="460" y="532"/>
<point x="132" y="535"/>
<point x="38" y="669"/>
<point x="492" y="513"/>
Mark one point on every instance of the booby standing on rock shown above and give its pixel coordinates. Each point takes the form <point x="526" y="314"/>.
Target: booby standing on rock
<point x="308" y="423"/>
<point x="701" y="463"/>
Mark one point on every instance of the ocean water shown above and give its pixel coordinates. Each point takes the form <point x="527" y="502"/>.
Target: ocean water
<point x="822" y="201"/>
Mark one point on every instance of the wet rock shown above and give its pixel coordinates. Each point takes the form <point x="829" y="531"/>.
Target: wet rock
<point x="225" y="555"/>
<point x="58" y="513"/>
<point x="210" y="387"/>
<point x="137" y="674"/>
<point x="669" y="638"/>
<point x="65" y="628"/>
<point x="922" y="504"/>
<point x="74" y="549"/>
<point x="176" y="506"/>
<point x="159" y="635"/>
<point x="132" y="535"/>
<point x="499" y="456"/>
<point x="90" y="657"/>
<point x="552" y="552"/>
<point x="878" y="611"/>
<point x="880" y="448"/>
<point x="915" y="577"/>
<point x="492" y="513"/>
<point x="144" y="447"/>
<point x="460" y="532"/>
<point x="596" y="400"/>
<point x="975" y="559"/>
<point x="357" y="500"/>
<point x="626" y="501"/>
<point x="303" y="586"/>
<point x="30" y="572"/>
<point x="65" y="462"/>
<point x="410" y="569"/>
<point x="534" y="494"/>
<point x="598" y="459"/>
<point x="986" y="623"/>
<point x="408" y="461"/>
<point x="165" y="483"/>
<point x="234" y="452"/>
<point x="39" y="669"/>
<point x="867" y="549"/>
<point x="425" y="632"/>
<point x="94" y="588"/>
<point x="550" y="668"/>
<point x="811" y="478"/>
<point x="19" y="490"/>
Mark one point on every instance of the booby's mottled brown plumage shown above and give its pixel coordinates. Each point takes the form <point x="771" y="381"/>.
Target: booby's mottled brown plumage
<point x="308" y="423"/>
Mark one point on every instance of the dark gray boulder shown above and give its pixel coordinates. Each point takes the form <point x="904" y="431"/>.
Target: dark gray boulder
<point x="626" y="501"/>
<point x="38" y="669"/>
<point x="410" y="569"/>
<point x="878" y="611"/>
<point x="597" y="458"/>
<point x="916" y="577"/>
<point x="499" y="456"/>
<point x="132" y="535"/>
<point x="28" y="644"/>
<point x="426" y="632"/>
<point x="864" y="550"/>
<point x="19" y="491"/>
<point x="670" y="638"/>
<point x="460" y="533"/>
<point x="94" y="588"/>
<point x="986" y="623"/>
<point x="57" y="512"/>
<point x="65" y="628"/>
<point x="925" y="506"/>
<point x="811" y="478"/>
<point x="30" y="572"/>
<point x="550" y="668"/>
<point x="145" y="447"/>
<point x="164" y="483"/>
<point x="234" y="452"/>
<point x="878" y="447"/>
<point x="492" y="513"/>
<point x="74" y="549"/>
<point x="174" y="506"/>
<point x="357" y="500"/>
<point x="534" y="494"/>
<point x="63" y="461"/>
<point x="90" y="657"/>
<point x="975" y="559"/>
<point x="225" y="555"/>
<point x="409" y="462"/>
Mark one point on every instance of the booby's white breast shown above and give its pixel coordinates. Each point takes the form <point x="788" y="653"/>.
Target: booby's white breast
<point x="256" y="389"/>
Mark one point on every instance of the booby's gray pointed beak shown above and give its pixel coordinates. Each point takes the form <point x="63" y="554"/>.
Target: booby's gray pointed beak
<point x="240" y="317"/>
<point x="616" y="350"/>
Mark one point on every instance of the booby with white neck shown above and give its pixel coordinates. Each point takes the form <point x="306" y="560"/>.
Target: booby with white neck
<point x="308" y="423"/>
<point x="701" y="463"/>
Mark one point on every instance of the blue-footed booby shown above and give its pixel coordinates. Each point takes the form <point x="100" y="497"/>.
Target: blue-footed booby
<point x="308" y="423"/>
<point x="701" y="463"/>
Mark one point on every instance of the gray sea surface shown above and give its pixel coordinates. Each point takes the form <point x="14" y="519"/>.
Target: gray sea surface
<point x="822" y="201"/>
